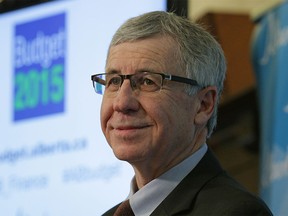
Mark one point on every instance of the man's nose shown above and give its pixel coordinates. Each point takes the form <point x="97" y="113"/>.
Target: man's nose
<point x="131" y="81"/>
<point x="126" y="99"/>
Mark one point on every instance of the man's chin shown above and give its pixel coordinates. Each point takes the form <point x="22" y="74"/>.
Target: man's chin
<point x="127" y="155"/>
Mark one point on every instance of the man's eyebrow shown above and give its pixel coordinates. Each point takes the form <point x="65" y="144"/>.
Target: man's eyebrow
<point x="115" y="71"/>
<point x="112" y="71"/>
<point x="147" y="70"/>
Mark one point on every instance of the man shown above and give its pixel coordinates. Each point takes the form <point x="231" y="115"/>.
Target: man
<point x="164" y="77"/>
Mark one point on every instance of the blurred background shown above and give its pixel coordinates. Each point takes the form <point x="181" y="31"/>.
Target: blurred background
<point x="46" y="155"/>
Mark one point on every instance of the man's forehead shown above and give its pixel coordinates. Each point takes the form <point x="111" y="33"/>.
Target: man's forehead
<point x="149" y="52"/>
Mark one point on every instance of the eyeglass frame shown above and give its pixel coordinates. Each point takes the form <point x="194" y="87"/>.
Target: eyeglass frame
<point x="164" y="76"/>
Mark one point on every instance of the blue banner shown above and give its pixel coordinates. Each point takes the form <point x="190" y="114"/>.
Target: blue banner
<point x="270" y="59"/>
<point x="39" y="67"/>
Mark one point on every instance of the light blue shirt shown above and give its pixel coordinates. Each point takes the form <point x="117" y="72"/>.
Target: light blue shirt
<point x="145" y="201"/>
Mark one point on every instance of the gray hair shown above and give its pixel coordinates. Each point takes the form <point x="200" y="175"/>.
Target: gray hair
<point x="200" y="54"/>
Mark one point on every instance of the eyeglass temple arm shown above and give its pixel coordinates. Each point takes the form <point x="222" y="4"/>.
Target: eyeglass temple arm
<point x="98" y="80"/>
<point x="182" y="80"/>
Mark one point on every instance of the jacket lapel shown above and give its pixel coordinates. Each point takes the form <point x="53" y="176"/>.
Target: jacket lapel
<point x="190" y="186"/>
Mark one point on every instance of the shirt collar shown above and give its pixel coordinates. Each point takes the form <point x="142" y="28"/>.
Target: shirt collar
<point x="145" y="201"/>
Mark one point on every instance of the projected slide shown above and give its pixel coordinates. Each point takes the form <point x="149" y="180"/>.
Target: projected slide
<point x="54" y="160"/>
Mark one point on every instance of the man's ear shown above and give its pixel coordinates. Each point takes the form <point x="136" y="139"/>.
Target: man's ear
<point x="207" y="100"/>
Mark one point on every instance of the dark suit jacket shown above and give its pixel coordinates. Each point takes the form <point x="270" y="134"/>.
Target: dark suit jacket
<point x="207" y="190"/>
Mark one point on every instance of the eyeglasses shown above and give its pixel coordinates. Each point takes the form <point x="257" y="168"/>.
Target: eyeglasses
<point x="143" y="81"/>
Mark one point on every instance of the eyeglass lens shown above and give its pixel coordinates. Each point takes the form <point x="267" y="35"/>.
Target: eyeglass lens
<point x="144" y="81"/>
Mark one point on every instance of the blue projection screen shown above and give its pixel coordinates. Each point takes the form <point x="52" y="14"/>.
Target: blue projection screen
<point x="54" y="160"/>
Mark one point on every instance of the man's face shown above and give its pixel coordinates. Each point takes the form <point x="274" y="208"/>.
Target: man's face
<point x="153" y="129"/>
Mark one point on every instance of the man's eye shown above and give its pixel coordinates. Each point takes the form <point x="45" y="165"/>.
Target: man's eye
<point x="114" y="81"/>
<point x="147" y="81"/>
